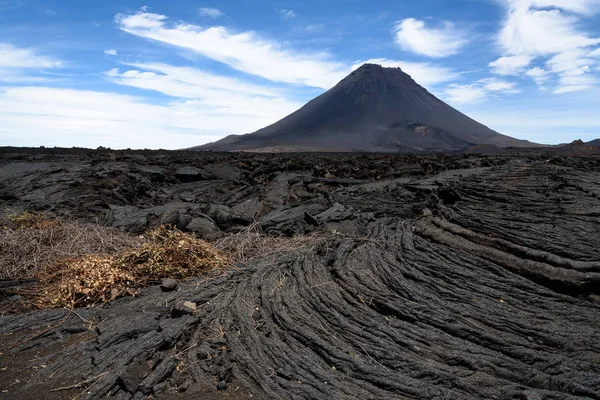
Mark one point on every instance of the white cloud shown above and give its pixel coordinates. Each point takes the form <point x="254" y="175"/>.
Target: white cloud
<point x="539" y="75"/>
<point x="533" y="31"/>
<point x="550" y="30"/>
<point x="11" y="76"/>
<point x="111" y="52"/>
<point x="225" y="96"/>
<point x="210" y="12"/>
<point x="512" y="65"/>
<point x="14" y="57"/>
<point x="498" y="85"/>
<point x="412" y="35"/>
<point x="34" y="116"/>
<point x="575" y="83"/>
<point x="19" y="65"/>
<point x="571" y="62"/>
<point x="575" y="70"/>
<point x="244" y="51"/>
<point x="196" y="81"/>
<point x="464" y="94"/>
<point x="425" y="74"/>
<point x="314" y="28"/>
<point x="20" y="76"/>
<point x="585" y="7"/>
<point x="479" y="91"/>
<point x="141" y="21"/>
<point x="571" y="88"/>
<point x="286" y="13"/>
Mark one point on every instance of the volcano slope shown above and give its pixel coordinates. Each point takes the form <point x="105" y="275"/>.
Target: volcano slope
<point x="374" y="109"/>
<point x="450" y="277"/>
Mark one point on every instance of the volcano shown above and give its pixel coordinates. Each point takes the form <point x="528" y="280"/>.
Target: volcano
<point x="374" y="109"/>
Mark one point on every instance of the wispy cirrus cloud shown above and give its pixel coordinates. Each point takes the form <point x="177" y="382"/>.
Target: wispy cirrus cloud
<point x="15" y="57"/>
<point x="256" y="109"/>
<point x="414" y="36"/>
<point x="211" y="91"/>
<point x="478" y="91"/>
<point x="194" y="81"/>
<point x="575" y="83"/>
<point x="245" y="51"/>
<point x="24" y="65"/>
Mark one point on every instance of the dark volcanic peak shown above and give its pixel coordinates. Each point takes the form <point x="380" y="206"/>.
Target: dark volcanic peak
<point x="376" y="77"/>
<point x="373" y="109"/>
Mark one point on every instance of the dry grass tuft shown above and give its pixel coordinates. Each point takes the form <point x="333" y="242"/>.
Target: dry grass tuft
<point x="30" y="241"/>
<point x="29" y="220"/>
<point x="252" y="243"/>
<point x="171" y="253"/>
<point x="91" y="279"/>
<point x="98" y="278"/>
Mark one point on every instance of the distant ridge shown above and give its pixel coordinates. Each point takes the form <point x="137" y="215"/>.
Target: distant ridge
<point x="593" y="143"/>
<point x="374" y="109"/>
<point x="578" y="148"/>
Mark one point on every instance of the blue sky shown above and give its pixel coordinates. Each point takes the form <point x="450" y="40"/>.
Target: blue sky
<point x="157" y="74"/>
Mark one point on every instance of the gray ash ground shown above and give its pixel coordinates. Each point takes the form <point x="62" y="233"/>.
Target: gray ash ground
<point x="455" y="277"/>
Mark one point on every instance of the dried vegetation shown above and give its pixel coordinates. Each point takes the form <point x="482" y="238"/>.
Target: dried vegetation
<point x="29" y="241"/>
<point x="252" y="243"/>
<point x="97" y="278"/>
<point x="82" y="264"/>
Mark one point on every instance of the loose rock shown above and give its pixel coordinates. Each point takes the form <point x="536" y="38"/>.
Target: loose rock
<point x="168" y="284"/>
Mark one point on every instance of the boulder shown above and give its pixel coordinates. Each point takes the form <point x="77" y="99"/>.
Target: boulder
<point x="337" y="212"/>
<point x="192" y="174"/>
<point x="204" y="227"/>
<point x="225" y="217"/>
<point x="224" y="172"/>
<point x="127" y="218"/>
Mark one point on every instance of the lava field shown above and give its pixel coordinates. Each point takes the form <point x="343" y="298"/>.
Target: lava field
<point x="421" y="277"/>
